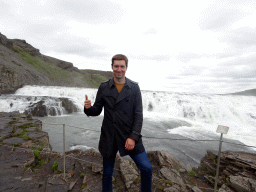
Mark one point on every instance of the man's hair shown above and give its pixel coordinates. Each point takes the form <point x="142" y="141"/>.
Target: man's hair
<point x="120" y="57"/>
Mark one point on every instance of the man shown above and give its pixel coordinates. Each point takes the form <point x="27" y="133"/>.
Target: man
<point x="122" y="123"/>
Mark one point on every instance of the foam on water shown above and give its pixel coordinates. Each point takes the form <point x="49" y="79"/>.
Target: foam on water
<point x="203" y="111"/>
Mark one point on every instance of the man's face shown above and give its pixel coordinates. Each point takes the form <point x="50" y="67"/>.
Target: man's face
<point x="119" y="68"/>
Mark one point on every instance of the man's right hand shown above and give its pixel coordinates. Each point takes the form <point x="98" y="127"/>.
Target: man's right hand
<point x="87" y="103"/>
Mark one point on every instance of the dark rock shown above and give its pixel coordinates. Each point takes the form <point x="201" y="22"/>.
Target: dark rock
<point x="237" y="170"/>
<point x="18" y="131"/>
<point x="37" y="109"/>
<point x="14" y="140"/>
<point x="36" y="134"/>
<point x="69" y="106"/>
<point x="150" y="107"/>
<point x="65" y="65"/>
<point x="22" y="44"/>
<point x="6" y="132"/>
<point x="242" y="184"/>
<point x="4" y="41"/>
<point x="15" y="72"/>
<point x="52" y="111"/>
<point x="32" y="129"/>
<point x="30" y="172"/>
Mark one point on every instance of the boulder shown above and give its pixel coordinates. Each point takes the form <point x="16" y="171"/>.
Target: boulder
<point x="65" y="65"/>
<point x="237" y="170"/>
<point x="68" y="105"/>
<point x="129" y="174"/>
<point x="38" y="109"/>
<point x="242" y="184"/>
<point x="4" y="41"/>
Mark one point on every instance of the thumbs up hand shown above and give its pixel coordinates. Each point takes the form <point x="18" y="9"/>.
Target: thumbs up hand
<point x="87" y="103"/>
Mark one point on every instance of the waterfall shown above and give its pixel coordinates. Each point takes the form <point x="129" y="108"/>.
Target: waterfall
<point x="204" y="112"/>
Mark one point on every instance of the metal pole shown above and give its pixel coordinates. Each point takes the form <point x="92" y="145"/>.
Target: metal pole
<point x="218" y="165"/>
<point x="64" y="150"/>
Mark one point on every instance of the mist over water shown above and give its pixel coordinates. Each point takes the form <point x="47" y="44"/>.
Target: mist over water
<point x="166" y="114"/>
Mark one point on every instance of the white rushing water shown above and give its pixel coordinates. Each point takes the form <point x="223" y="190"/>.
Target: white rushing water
<point x="204" y="112"/>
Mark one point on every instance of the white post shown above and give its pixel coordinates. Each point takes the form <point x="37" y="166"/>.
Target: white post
<point x="223" y="130"/>
<point x="218" y="165"/>
<point x="64" y="150"/>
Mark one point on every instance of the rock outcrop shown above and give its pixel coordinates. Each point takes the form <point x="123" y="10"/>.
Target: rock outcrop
<point x="237" y="170"/>
<point x="62" y="105"/>
<point x="29" y="164"/>
<point x="22" y="64"/>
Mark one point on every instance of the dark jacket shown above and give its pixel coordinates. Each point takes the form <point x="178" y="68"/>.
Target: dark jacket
<point x="122" y="117"/>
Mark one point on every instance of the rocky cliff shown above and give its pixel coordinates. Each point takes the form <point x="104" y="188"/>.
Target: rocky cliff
<point x="22" y="64"/>
<point x="29" y="164"/>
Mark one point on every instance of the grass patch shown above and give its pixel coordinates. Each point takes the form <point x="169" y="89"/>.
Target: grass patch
<point x="12" y="122"/>
<point x="161" y="187"/>
<point x="168" y="182"/>
<point x="26" y="137"/>
<point x="26" y="126"/>
<point x="137" y="180"/>
<point x="50" y="70"/>
<point x="55" y="168"/>
<point x="39" y="148"/>
<point x="37" y="163"/>
<point x="89" y="167"/>
<point x="84" y="185"/>
<point x="191" y="174"/>
<point x="82" y="175"/>
<point x="15" y="144"/>
<point x="95" y="80"/>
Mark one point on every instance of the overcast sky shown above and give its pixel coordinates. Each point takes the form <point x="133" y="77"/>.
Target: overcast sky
<point x="206" y="46"/>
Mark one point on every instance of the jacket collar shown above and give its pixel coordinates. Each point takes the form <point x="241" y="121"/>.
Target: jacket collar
<point x="127" y="82"/>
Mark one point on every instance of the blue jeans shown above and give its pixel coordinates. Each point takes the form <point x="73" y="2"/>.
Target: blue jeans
<point x="142" y="162"/>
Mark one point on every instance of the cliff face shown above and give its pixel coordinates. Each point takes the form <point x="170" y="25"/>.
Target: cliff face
<point x="22" y="64"/>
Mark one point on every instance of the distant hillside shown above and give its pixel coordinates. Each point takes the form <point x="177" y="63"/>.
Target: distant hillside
<point x="250" y="92"/>
<point x="22" y="64"/>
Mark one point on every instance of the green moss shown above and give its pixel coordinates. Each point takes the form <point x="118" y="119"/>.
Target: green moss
<point x="15" y="145"/>
<point x="98" y="77"/>
<point x="191" y="174"/>
<point x="89" y="167"/>
<point x="55" y="166"/>
<point x="137" y="180"/>
<point x="26" y="137"/>
<point x="168" y="182"/>
<point x="36" y="153"/>
<point x="26" y="126"/>
<point x="39" y="148"/>
<point x="57" y="74"/>
<point x="47" y="69"/>
<point x="82" y="175"/>
<point x="11" y="122"/>
<point x="95" y="80"/>
<point x="161" y="187"/>
<point x="84" y="185"/>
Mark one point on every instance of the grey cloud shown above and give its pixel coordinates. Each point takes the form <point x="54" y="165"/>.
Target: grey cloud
<point x="244" y="37"/>
<point x="222" y="14"/>
<point x="190" y="71"/>
<point x="152" y="57"/>
<point x="235" y="73"/>
<point x="151" y="31"/>
<point x="245" y="61"/>
<point x="186" y="57"/>
<point x="215" y="19"/>
<point x="80" y="47"/>
<point x="4" y="6"/>
<point x="92" y="11"/>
